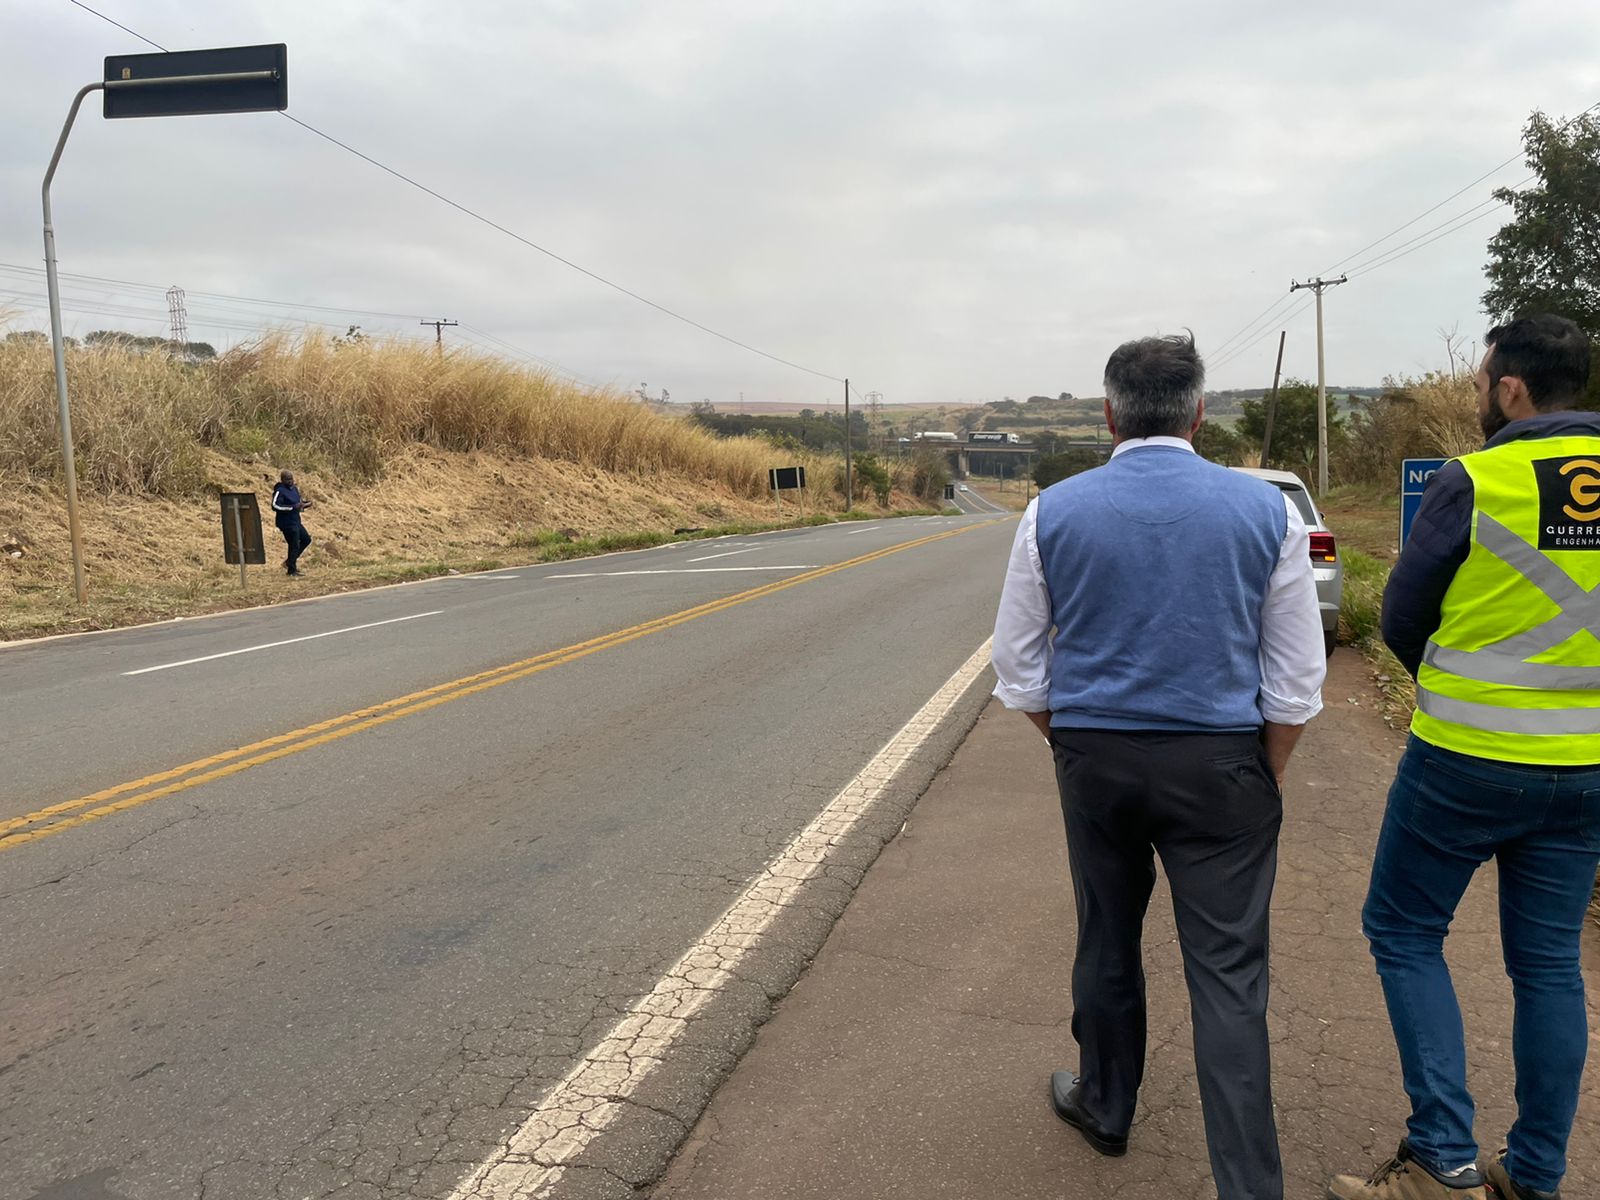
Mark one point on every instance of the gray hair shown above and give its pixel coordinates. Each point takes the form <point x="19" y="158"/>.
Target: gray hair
<point x="1154" y="386"/>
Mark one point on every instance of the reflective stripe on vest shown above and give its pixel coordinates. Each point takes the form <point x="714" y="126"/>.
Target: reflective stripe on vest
<point x="1492" y="700"/>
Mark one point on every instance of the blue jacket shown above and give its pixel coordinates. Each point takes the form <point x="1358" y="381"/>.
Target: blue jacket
<point x="286" y="504"/>
<point x="1441" y="535"/>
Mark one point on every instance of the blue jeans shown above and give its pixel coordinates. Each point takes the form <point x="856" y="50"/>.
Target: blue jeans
<point x="1449" y="813"/>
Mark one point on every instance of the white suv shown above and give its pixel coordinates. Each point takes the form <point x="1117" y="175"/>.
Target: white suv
<point x="1326" y="566"/>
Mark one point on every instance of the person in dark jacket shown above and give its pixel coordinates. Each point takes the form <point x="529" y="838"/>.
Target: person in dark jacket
<point x="286" y="509"/>
<point x="1492" y="608"/>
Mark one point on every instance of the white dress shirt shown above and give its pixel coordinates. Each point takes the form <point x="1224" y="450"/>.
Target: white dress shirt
<point x="1292" y="657"/>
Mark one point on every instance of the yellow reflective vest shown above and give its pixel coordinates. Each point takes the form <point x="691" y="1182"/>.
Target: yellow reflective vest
<point x="1513" y="671"/>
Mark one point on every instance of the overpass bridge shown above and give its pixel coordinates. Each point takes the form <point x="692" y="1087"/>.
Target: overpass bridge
<point x="1013" y="457"/>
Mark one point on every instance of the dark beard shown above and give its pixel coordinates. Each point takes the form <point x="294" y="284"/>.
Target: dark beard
<point x="1494" y="420"/>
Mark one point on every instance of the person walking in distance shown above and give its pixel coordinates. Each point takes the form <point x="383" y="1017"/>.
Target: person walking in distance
<point x="286" y="509"/>
<point x="1159" y="625"/>
<point x="1494" y="608"/>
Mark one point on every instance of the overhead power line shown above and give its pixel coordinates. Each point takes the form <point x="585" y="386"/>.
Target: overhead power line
<point x="491" y="343"/>
<point x="1252" y="332"/>
<point x="1459" y="191"/>
<point x="492" y="224"/>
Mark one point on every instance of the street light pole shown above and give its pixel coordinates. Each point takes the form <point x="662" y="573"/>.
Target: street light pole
<point x="232" y="79"/>
<point x="63" y="411"/>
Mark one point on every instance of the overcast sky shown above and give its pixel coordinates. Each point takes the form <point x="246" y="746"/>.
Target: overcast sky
<point x="949" y="200"/>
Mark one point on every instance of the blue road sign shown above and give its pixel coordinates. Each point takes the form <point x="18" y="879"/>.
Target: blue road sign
<point x="1414" y="476"/>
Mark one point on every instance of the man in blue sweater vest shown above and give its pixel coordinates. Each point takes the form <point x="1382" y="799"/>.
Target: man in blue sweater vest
<point x="1159" y="625"/>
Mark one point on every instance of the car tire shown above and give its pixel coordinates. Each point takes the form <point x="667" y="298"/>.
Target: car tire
<point x="1330" y="639"/>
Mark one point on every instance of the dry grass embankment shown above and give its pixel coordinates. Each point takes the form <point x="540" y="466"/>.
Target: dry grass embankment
<point x="419" y="464"/>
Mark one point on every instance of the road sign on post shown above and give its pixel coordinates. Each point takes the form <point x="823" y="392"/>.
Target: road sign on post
<point x="1414" y="476"/>
<point x="187" y="83"/>
<point x="241" y="532"/>
<point x="237" y="79"/>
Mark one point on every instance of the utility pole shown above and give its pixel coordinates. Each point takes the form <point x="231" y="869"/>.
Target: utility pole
<point x="849" y="490"/>
<point x="438" y="332"/>
<point x="1272" y="401"/>
<point x="1318" y="286"/>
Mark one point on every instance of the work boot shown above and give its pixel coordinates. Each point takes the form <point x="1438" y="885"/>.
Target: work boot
<point x="1502" y="1188"/>
<point x="1404" y="1177"/>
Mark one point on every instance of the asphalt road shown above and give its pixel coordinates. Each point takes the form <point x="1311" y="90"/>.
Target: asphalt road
<point x="319" y="899"/>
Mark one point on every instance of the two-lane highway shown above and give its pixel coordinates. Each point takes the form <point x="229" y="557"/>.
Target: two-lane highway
<point x="324" y="899"/>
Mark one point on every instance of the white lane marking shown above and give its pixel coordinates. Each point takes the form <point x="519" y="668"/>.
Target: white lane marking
<point x="862" y="529"/>
<point x="595" y="1092"/>
<point x="723" y="554"/>
<point x="491" y="578"/>
<point x="310" y="637"/>
<point x="681" y="571"/>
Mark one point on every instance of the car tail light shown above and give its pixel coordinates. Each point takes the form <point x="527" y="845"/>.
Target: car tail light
<point x="1323" y="548"/>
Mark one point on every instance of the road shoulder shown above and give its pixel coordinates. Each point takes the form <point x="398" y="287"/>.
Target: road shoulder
<point x="912" y="1058"/>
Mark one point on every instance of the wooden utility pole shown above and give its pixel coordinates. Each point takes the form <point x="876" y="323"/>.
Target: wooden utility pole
<point x="1318" y="286"/>
<point x="1272" y="402"/>
<point x="849" y="491"/>
<point x="438" y="332"/>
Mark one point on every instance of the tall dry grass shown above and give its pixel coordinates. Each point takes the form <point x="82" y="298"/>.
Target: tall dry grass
<point x="140" y="420"/>
<point x="1416" y="417"/>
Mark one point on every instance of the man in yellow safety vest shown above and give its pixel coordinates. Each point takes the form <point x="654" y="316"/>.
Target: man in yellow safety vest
<point x="1494" y="607"/>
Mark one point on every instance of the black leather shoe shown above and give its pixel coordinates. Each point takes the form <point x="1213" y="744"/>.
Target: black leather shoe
<point x="1064" y="1099"/>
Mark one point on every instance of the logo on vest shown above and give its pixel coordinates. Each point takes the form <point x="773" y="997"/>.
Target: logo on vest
<point x="1569" y="503"/>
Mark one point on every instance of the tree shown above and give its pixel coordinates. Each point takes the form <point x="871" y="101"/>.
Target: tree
<point x="1294" y="430"/>
<point x="1547" y="258"/>
<point x="1053" y="468"/>
<point x="1220" y="444"/>
<point x="871" y="473"/>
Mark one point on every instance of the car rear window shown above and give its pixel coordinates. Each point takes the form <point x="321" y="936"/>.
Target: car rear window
<point x="1301" y="501"/>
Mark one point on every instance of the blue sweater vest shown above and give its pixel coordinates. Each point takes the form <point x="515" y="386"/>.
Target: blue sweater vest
<point x="1158" y="564"/>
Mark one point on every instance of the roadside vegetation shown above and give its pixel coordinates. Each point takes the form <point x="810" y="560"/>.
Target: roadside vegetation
<point x="420" y="464"/>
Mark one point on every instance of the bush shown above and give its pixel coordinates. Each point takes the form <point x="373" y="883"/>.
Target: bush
<point x="1414" y="418"/>
<point x="870" y="473"/>
<point x="1055" y="467"/>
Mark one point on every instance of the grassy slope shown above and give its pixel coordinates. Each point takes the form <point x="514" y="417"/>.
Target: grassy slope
<point x="418" y="463"/>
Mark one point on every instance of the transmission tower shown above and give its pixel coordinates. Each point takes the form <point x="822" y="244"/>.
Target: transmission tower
<point x="180" y="318"/>
<point x="874" y="420"/>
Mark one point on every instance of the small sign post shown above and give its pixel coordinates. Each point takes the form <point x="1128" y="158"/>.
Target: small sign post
<point x="787" y="478"/>
<point x="1414" y="476"/>
<point x="241" y="532"/>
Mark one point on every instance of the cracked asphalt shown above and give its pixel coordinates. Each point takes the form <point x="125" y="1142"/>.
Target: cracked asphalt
<point x="359" y="969"/>
<point x="913" y="1058"/>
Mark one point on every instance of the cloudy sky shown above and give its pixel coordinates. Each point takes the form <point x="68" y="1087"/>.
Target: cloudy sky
<point x="949" y="200"/>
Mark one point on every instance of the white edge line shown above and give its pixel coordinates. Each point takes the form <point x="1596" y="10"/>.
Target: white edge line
<point x="350" y="593"/>
<point x="860" y="529"/>
<point x="681" y="571"/>
<point x="595" y="1093"/>
<point x="725" y="554"/>
<point x="310" y="637"/>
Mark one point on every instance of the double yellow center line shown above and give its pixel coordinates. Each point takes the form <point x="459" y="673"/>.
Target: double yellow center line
<point x="58" y="818"/>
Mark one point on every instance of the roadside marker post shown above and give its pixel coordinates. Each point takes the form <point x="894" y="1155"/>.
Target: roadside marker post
<point x="169" y="84"/>
<point x="241" y="532"/>
<point x="1414" y="476"/>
